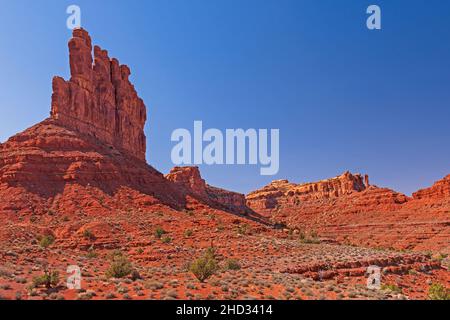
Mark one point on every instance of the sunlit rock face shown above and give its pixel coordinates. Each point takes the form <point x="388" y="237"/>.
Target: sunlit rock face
<point x="99" y="98"/>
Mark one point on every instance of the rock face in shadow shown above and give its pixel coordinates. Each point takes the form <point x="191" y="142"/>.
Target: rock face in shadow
<point x="99" y="98"/>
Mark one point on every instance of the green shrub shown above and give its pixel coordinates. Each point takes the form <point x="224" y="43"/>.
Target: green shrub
<point x="311" y="241"/>
<point x="48" y="279"/>
<point x="159" y="232"/>
<point x="115" y="253"/>
<point x="243" y="229"/>
<point x="204" y="267"/>
<point x="210" y="253"/>
<point x="120" y="266"/>
<point x="46" y="241"/>
<point x="188" y="233"/>
<point x="91" y="254"/>
<point x="220" y="227"/>
<point x="412" y="272"/>
<point x="438" y="292"/>
<point x="312" y="238"/>
<point x="166" y="239"/>
<point x="135" y="275"/>
<point x="440" y="257"/>
<point x="391" y="287"/>
<point x="302" y="235"/>
<point x="232" y="264"/>
<point x="88" y="235"/>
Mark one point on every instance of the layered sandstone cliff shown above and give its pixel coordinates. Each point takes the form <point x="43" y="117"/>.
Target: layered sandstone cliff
<point x="347" y="209"/>
<point x="440" y="190"/>
<point x="49" y="161"/>
<point x="283" y="193"/>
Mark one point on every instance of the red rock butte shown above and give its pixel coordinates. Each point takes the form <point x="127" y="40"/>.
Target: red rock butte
<point x="99" y="98"/>
<point x="94" y="143"/>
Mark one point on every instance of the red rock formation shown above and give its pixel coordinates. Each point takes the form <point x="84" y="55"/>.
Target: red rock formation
<point x="281" y="192"/>
<point x="44" y="162"/>
<point x="190" y="181"/>
<point x="99" y="99"/>
<point x="88" y="149"/>
<point x="366" y="181"/>
<point x="346" y="209"/>
<point x="440" y="190"/>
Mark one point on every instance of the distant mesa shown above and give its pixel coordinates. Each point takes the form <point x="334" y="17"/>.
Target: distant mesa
<point x="347" y="209"/>
<point x="280" y="191"/>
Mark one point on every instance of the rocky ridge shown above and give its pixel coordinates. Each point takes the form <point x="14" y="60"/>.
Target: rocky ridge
<point x="346" y="210"/>
<point x="190" y="181"/>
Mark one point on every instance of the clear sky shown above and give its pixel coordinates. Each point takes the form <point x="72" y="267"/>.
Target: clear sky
<point x="343" y="97"/>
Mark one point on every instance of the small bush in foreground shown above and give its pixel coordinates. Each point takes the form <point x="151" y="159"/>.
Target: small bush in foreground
<point x="159" y="232"/>
<point x="438" y="292"/>
<point x="88" y="235"/>
<point x="232" y="264"/>
<point x="91" y="254"/>
<point x="391" y="287"/>
<point x="204" y="267"/>
<point x="46" y="241"/>
<point x="120" y="267"/>
<point x="312" y="238"/>
<point x="166" y="239"/>
<point x="243" y="229"/>
<point x="49" y="279"/>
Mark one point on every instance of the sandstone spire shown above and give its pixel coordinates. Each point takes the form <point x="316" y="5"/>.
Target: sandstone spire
<point x="366" y="181"/>
<point x="99" y="99"/>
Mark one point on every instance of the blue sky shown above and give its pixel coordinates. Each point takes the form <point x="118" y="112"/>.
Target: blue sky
<point x="343" y="97"/>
